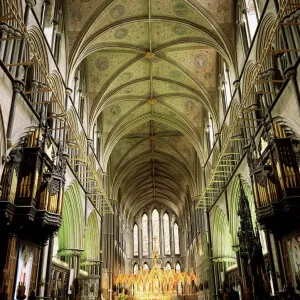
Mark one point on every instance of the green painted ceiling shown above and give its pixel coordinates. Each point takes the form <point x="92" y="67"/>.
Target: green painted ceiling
<point x="152" y="73"/>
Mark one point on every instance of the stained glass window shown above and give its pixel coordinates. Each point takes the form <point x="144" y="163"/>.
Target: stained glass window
<point x="155" y="228"/>
<point x="135" y="268"/>
<point x="135" y="240"/>
<point x="146" y="267"/>
<point x="168" y="266"/>
<point x="176" y="239"/>
<point x="167" y="234"/>
<point x="145" y="234"/>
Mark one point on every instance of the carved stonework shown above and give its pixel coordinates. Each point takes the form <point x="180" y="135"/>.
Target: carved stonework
<point x="18" y="86"/>
<point x="13" y="167"/>
<point x="30" y="3"/>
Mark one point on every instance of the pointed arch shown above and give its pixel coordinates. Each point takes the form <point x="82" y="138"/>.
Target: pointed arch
<point x="167" y="241"/>
<point x="264" y="33"/>
<point x="221" y="237"/>
<point x="145" y="237"/>
<point x="246" y="80"/>
<point x="91" y="239"/>
<point x="70" y="235"/>
<point x="156" y="229"/>
<point x="168" y="266"/>
<point x="135" y="268"/>
<point x="39" y="44"/>
<point x="176" y="239"/>
<point x="135" y="240"/>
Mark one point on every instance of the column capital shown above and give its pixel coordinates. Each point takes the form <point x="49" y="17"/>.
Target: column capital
<point x="18" y="86"/>
<point x="54" y="22"/>
<point x="31" y="3"/>
<point x="69" y="91"/>
<point x="290" y="73"/>
<point x="245" y="10"/>
<point x="236" y="83"/>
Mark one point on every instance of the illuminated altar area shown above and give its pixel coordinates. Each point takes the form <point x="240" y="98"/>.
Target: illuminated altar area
<point x="157" y="283"/>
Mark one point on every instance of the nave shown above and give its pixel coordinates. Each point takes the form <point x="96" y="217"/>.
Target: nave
<point x="150" y="149"/>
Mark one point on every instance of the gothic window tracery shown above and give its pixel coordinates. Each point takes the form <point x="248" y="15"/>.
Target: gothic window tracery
<point x="176" y="239"/>
<point x="145" y="234"/>
<point x="153" y="232"/>
<point x="167" y="234"/>
<point x="135" y="240"/>
<point x="156" y="228"/>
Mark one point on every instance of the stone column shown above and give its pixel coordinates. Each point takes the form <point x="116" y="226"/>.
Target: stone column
<point x="57" y="48"/>
<point x="101" y="257"/>
<point x="271" y="260"/>
<point x="112" y="250"/>
<point x="49" y="268"/>
<point x="279" y="256"/>
<point x="77" y="257"/>
<point x="213" y="281"/>
<point x="18" y="87"/>
<point x="75" y="90"/>
<point x="284" y="37"/>
<point x="132" y="244"/>
<point x="45" y="4"/>
<point x="292" y="76"/>
<point x="161" y="233"/>
<point x="172" y="237"/>
<point x="41" y="270"/>
<point x="29" y="5"/>
<point x="150" y="236"/>
<point x="140" y="232"/>
<point x="54" y="24"/>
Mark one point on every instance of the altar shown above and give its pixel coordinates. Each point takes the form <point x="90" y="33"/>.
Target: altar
<point x="155" y="284"/>
<point x="152" y="297"/>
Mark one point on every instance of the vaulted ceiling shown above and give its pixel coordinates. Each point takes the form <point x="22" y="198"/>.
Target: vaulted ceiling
<point x="152" y="76"/>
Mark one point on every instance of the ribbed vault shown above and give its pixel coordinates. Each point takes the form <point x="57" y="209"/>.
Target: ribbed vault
<point x="152" y="69"/>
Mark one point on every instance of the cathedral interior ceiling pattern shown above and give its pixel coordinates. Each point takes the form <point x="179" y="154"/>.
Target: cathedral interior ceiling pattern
<point x="152" y="73"/>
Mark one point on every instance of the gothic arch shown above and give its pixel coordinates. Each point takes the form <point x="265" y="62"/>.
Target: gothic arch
<point x="39" y="44"/>
<point x="73" y="119"/>
<point x="58" y="87"/>
<point x="71" y="233"/>
<point x="246" y="81"/>
<point x="92" y="239"/>
<point x="221" y="237"/>
<point x="125" y="126"/>
<point x="262" y="38"/>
